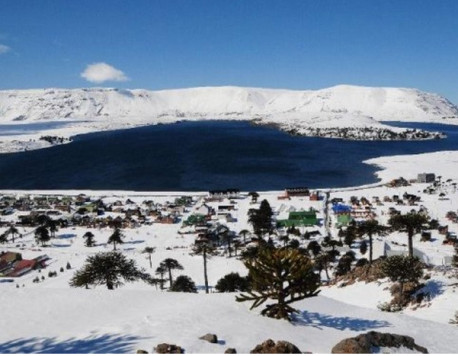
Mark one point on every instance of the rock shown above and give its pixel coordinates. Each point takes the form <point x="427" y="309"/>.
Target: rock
<point x="168" y="349"/>
<point x="270" y="347"/>
<point x="372" y="341"/>
<point x="230" y="351"/>
<point x="210" y="338"/>
<point x="141" y="352"/>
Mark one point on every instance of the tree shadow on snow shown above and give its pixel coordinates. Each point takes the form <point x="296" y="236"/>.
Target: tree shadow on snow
<point x="433" y="288"/>
<point x="107" y="343"/>
<point x="318" y="320"/>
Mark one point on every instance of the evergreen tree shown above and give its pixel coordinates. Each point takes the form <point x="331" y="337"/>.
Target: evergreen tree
<point x="149" y="250"/>
<point x="402" y="269"/>
<point x="322" y="262"/>
<point x="244" y="232"/>
<point x="12" y="231"/>
<point x="183" y="284"/>
<point x="283" y="275"/>
<point x="349" y="235"/>
<point x="314" y="247"/>
<point x="254" y="196"/>
<point x="232" y="282"/>
<point x="294" y="243"/>
<point x="89" y="236"/>
<point x="205" y="248"/>
<point x="107" y="268"/>
<point x="3" y="238"/>
<point x="170" y="264"/>
<point x="412" y="222"/>
<point x="344" y="265"/>
<point x="261" y="218"/>
<point x="52" y="226"/>
<point x="42" y="235"/>
<point x="116" y="237"/>
<point x="371" y="228"/>
<point x="160" y="271"/>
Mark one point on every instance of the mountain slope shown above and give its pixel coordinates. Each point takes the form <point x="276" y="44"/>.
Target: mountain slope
<point x="380" y="103"/>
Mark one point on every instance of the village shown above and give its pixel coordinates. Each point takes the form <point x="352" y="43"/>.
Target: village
<point x="299" y="215"/>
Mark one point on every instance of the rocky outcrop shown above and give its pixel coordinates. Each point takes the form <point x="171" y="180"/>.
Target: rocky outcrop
<point x="212" y="338"/>
<point x="371" y="342"/>
<point x="168" y="349"/>
<point x="230" y="351"/>
<point x="270" y="347"/>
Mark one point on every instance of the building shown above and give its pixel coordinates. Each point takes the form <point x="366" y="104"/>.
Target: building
<point x="227" y="193"/>
<point x="299" y="218"/>
<point x="426" y="177"/>
<point x="297" y="192"/>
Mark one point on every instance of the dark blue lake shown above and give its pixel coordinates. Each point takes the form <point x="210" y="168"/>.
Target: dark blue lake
<point x="198" y="156"/>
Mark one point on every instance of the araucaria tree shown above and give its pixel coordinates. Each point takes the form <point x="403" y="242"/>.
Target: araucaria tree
<point x="89" y="239"/>
<point x="169" y="264"/>
<point x="283" y="275"/>
<point x="42" y="235"/>
<point x="412" y="222"/>
<point x="13" y="231"/>
<point x="149" y="250"/>
<point x="402" y="269"/>
<point x="261" y="218"/>
<point x="107" y="268"/>
<point x="205" y="248"/>
<point x="371" y="228"/>
<point x="116" y="238"/>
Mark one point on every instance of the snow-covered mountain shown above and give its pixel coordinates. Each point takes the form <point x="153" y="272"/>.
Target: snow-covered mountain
<point x="348" y="112"/>
<point x="379" y="103"/>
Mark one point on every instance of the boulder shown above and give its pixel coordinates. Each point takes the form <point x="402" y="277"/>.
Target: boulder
<point x="372" y="341"/>
<point x="230" y="351"/>
<point x="141" y="352"/>
<point x="168" y="349"/>
<point x="212" y="338"/>
<point x="270" y="347"/>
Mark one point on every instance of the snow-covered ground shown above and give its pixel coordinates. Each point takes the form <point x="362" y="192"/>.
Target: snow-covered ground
<point x="52" y="317"/>
<point x="326" y="112"/>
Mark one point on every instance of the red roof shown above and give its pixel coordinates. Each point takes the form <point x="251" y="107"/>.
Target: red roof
<point x="24" y="264"/>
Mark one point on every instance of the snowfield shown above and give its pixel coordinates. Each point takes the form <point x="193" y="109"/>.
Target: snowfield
<point x="51" y="317"/>
<point x="342" y="111"/>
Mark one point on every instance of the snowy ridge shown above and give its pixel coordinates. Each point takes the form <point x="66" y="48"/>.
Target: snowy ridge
<point x="343" y="111"/>
<point x="396" y="104"/>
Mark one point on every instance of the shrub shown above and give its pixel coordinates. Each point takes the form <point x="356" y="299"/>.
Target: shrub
<point x="183" y="284"/>
<point x="232" y="282"/>
<point x="344" y="265"/>
<point x="362" y="262"/>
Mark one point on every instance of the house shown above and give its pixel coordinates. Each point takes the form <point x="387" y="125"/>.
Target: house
<point x="426" y="177"/>
<point x="315" y="196"/>
<point x="297" y="192"/>
<point x="205" y="210"/>
<point x="227" y="193"/>
<point x="343" y="214"/>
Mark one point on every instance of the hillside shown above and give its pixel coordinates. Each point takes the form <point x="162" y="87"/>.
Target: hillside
<point x="395" y="104"/>
<point x="348" y="112"/>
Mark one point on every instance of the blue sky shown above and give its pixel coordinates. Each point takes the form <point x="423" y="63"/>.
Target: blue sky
<point x="186" y="43"/>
